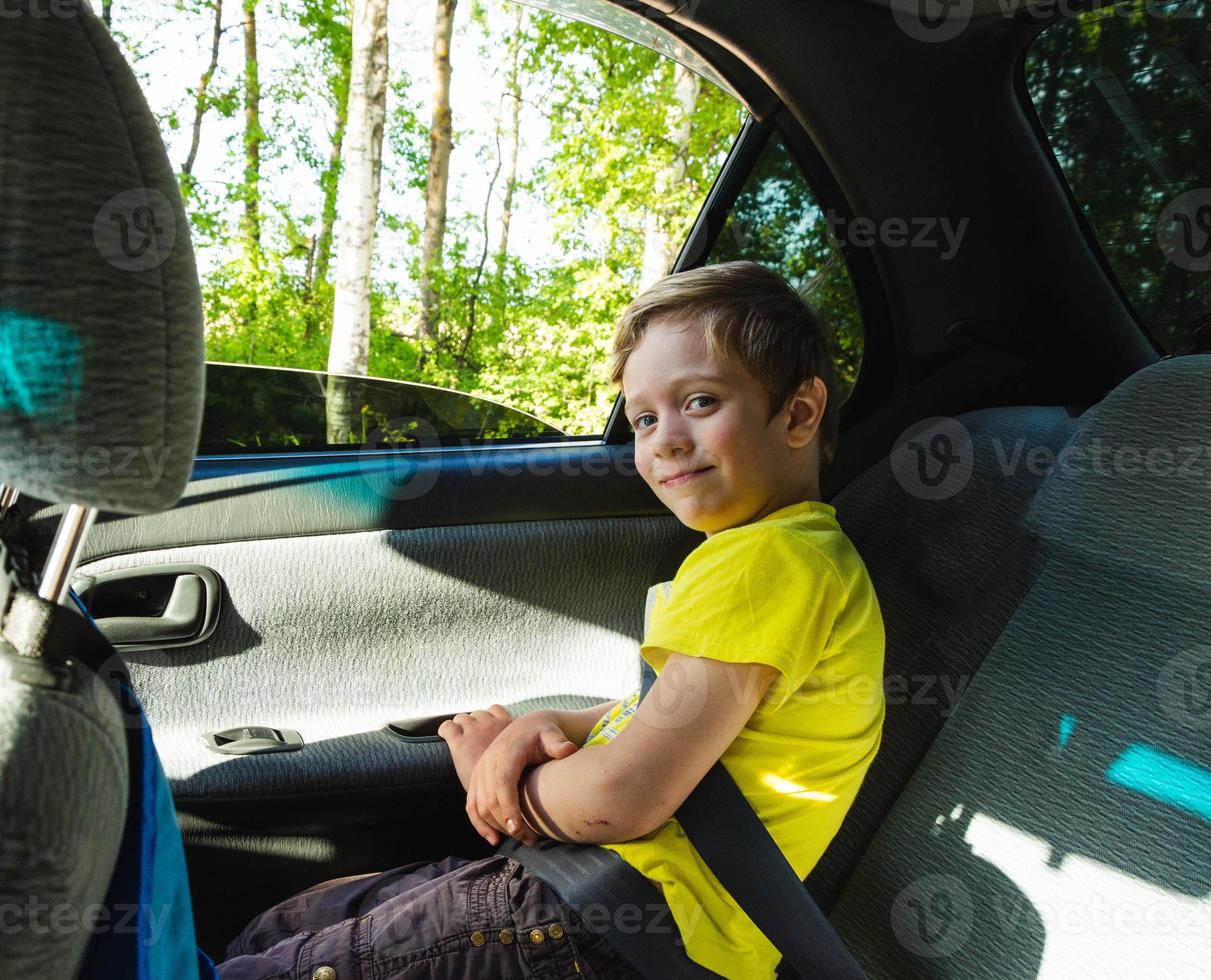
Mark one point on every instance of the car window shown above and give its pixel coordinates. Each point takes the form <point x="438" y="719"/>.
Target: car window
<point x="777" y="222"/>
<point x="536" y="172"/>
<point x="1124" y="96"/>
<point x="258" y="409"/>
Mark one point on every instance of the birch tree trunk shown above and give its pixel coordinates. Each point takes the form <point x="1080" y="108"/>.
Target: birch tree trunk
<point x="357" y="206"/>
<point x="512" y="117"/>
<point x="659" y="248"/>
<point x="437" y="178"/>
<point x="330" y="183"/>
<point x="252" y="135"/>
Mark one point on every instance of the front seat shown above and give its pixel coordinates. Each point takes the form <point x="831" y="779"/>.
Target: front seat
<point x="101" y="382"/>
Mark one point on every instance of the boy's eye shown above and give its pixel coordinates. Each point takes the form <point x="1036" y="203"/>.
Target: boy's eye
<point x="709" y="399"/>
<point x="639" y="422"/>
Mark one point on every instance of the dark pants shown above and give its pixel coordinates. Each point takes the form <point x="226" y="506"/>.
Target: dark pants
<point x="451" y="920"/>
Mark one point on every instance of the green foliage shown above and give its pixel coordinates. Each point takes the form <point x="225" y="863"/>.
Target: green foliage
<point x="777" y="223"/>
<point x="528" y="333"/>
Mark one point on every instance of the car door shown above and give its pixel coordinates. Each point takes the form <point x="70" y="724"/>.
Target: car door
<point x="300" y="622"/>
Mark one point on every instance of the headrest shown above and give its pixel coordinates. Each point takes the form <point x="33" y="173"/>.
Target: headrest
<point x="101" y="347"/>
<point x="1132" y="483"/>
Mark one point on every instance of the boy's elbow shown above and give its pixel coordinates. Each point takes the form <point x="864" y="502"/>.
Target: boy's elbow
<point x="633" y="810"/>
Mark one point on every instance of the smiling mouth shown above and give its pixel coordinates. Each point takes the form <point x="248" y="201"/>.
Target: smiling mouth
<point x="685" y="478"/>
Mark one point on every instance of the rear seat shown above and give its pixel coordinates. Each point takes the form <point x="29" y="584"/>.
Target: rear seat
<point x="1059" y="822"/>
<point x="948" y="572"/>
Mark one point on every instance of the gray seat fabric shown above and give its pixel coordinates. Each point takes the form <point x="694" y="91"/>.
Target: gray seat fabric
<point x="1060" y="823"/>
<point x="101" y="348"/>
<point x="100" y="405"/>
<point x="949" y="573"/>
<point x="63" y="793"/>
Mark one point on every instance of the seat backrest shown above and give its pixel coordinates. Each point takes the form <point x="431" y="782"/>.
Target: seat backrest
<point x="100" y="405"/>
<point x="1060" y="823"/>
<point x="949" y="564"/>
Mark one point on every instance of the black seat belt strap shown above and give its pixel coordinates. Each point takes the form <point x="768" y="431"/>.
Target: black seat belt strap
<point x="614" y="900"/>
<point x="730" y="837"/>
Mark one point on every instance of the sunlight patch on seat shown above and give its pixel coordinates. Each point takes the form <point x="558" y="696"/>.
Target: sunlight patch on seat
<point x="1099" y="921"/>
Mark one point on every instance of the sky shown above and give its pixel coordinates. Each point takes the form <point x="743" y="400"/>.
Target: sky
<point x="170" y="49"/>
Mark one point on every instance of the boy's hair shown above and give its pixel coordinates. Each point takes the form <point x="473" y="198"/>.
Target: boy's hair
<point x="745" y="309"/>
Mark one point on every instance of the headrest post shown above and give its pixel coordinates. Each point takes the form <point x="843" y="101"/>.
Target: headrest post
<point x="65" y="552"/>
<point x="8" y="497"/>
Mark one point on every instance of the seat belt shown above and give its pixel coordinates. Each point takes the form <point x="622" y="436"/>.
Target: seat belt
<point x="730" y="837"/>
<point x="613" y="900"/>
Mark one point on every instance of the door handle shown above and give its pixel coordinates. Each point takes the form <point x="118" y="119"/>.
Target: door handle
<point x="154" y="606"/>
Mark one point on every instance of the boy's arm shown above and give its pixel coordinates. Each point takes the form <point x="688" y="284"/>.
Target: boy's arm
<point x="631" y="785"/>
<point x="506" y="746"/>
<point x="576" y="725"/>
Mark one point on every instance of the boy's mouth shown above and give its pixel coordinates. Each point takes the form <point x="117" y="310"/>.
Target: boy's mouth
<point x="683" y="478"/>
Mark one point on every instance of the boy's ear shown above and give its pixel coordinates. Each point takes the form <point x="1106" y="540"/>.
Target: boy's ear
<point x="806" y="410"/>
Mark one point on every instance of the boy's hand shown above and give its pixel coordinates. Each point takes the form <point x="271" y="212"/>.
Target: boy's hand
<point x="492" y="797"/>
<point x="468" y="735"/>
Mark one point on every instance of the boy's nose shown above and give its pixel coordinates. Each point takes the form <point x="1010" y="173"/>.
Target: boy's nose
<point x="673" y="441"/>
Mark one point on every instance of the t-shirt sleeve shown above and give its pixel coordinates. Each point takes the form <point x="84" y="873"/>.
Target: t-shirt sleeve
<point x="750" y="595"/>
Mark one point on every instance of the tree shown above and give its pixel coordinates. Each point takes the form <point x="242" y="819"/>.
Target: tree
<point x="357" y="207"/>
<point x="329" y="26"/>
<point x="659" y="246"/>
<point x="252" y="136"/>
<point x="201" y="101"/>
<point x="511" y="111"/>
<point x="438" y="177"/>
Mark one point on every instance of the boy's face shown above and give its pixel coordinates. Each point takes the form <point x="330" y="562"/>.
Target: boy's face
<point x="703" y="439"/>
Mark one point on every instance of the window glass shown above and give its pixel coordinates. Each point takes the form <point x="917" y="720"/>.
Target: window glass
<point x="259" y="409"/>
<point x="1124" y="96"/>
<point x="535" y="174"/>
<point x="777" y="223"/>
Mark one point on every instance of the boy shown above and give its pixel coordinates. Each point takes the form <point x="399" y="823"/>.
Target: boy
<point x="768" y="645"/>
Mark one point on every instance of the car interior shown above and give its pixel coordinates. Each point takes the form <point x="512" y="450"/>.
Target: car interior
<point x="1023" y="467"/>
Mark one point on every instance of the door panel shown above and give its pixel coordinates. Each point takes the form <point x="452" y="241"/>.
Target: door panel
<point x="360" y="589"/>
<point x="336" y="635"/>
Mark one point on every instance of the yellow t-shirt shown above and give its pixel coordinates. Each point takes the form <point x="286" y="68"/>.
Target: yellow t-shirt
<point x="790" y="591"/>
